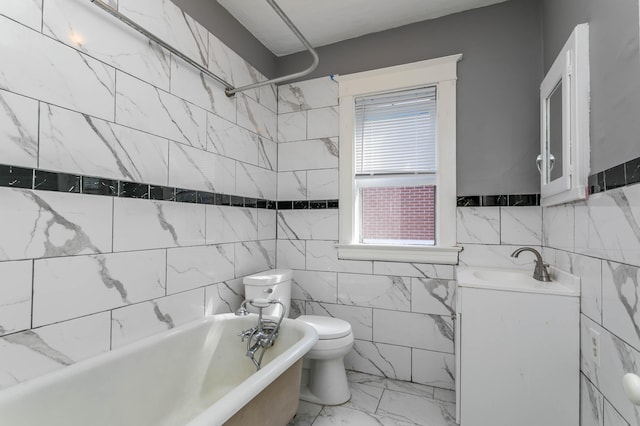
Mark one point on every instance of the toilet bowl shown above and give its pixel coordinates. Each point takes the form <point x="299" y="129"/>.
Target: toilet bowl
<point x="325" y="379"/>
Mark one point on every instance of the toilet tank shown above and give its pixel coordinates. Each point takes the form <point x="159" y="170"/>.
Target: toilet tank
<point x="272" y="284"/>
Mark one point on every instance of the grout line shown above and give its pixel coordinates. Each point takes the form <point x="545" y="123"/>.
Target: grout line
<point x="379" y="401"/>
<point x="111" y="329"/>
<point x="115" y="96"/>
<point x="166" y="271"/>
<point x="602" y="261"/>
<point x="33" y="289"/>
<point x="39" y="130"/>
<point x="113" y="225"/>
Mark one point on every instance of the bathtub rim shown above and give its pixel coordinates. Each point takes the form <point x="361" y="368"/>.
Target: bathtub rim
<point x="259" y="380"/>
<point x="223" y="408"/>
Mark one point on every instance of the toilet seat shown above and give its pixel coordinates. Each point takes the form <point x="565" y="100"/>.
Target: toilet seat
<point x="327" y="327"/>
<point x="331" y="348"/>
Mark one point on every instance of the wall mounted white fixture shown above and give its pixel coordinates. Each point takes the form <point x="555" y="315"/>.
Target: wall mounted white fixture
<point x="631" y="386"/>
<point x="564" y="121"/>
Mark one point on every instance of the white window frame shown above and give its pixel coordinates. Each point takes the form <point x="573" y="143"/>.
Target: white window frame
<point x="442" y="73"/>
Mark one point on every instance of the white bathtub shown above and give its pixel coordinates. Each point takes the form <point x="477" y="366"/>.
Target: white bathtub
<point x="193" y="375"/>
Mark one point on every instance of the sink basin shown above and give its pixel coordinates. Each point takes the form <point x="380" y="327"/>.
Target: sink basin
<point x="503" y="276"/>
<point x="562" y="283"/>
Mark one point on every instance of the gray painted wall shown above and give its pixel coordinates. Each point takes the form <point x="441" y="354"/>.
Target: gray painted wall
<point x="498" y="85"/>
<point x="615" y="71"/>
<point x="231" y="32"/>
<point x="499" y="77"/>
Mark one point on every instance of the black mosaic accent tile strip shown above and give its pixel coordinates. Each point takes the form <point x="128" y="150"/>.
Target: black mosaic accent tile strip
<point x="162" y="193"/>
<point x="615" y="177"/>
<point x="514" y="200"/>
<point x="307" y="204"/>
<point x="236" y="201"/>
<point x="27" y="178"/>
<point x="495" y="200"/>
<point x="16" y="177"/>
<point x="524" y="200"/>
<point x="627" y="173"/>
<point x="61" y="182"/>
<point x="186" y="195"/>
<point x="133" y="190"/>
<point x="632" y="170"/>
<point x="596" y="183"/>
<point x="469" y="201"/>
<point x="223" y="200"/>
<point x="99" y="186"/>
<point x="203" y="197"/>
<point x="285" y="205"/>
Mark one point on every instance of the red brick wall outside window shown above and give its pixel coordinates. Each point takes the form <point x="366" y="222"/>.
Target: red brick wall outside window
<point x="399" y="214"/>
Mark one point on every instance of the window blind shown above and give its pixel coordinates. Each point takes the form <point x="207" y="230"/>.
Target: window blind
<point x="396" y="132"/>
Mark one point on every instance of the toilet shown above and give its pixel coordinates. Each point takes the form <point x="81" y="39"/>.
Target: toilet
<point x="324" y="380"/>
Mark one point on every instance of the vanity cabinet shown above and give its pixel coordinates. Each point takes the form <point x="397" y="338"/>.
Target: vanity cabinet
<point x="517" y="350"/>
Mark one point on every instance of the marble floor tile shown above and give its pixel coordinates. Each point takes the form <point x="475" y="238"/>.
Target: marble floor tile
<point x="391" y="384"/>
<point x="380" y="401"/>
<point x="415" y="409"/>
<point x="330" y="416"/>
<point x="444" y="395"/>
<point x="364" y="397"/>
<point x="307" y="413"/>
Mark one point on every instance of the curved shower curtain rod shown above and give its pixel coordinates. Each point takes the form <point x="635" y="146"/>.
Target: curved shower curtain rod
<point x="229" y="89"/>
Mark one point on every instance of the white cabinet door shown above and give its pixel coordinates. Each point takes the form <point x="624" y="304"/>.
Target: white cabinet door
<point x="519" y="359"/>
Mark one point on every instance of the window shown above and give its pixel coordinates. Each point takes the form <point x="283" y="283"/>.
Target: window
<point x="395" y="167"/>
<point x="397" y="163"/>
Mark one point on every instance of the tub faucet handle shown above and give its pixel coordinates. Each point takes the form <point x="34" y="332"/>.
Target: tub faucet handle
<point x="246" y="334"/>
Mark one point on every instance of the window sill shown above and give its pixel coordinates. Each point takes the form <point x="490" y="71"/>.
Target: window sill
<point x="415" y="254"/>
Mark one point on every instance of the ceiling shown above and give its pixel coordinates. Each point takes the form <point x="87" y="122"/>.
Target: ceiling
<point x="324" y="22"/>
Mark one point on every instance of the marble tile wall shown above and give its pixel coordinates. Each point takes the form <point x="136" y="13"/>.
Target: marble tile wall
<point x="599" y="240"/>
<point x="82" y="93"/>
<point x="400" y="312"/>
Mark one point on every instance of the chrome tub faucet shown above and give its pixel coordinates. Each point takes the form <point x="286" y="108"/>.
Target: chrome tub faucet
<point x="262" y="336"/>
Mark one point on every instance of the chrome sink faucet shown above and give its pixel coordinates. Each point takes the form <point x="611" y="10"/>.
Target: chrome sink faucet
<point x="540" y="272"/>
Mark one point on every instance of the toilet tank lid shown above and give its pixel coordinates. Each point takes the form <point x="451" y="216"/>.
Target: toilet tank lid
<point x="273" y="276"/>
<point x="327" y="327"/>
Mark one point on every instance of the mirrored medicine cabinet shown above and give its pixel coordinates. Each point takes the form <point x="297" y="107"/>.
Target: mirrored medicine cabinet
<point x="564" y="115"/>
